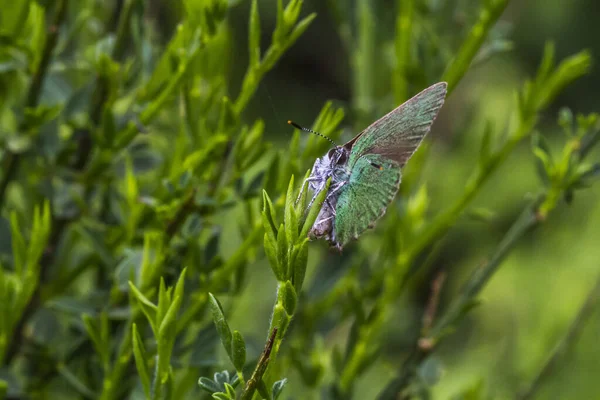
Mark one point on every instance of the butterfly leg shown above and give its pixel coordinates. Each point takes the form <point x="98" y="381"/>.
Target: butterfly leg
<point x="332" y="190"/>
<point x="330" y="207"/>
<point x="310" y="203"/>
<point x="307" y="180"/>
<point x="324" y="220"/>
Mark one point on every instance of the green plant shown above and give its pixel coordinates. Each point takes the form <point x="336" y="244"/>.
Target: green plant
<point x="139" y="200"/>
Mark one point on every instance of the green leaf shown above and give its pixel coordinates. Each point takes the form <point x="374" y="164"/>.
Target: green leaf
<point x="565" y="120"/>
<point x="35" y="29"/>
<point x="169" y="321"/>
<point x="288" y="297"/>
<point x="270" y="246"/>
<point x="430" y="371"/>
<point x="99" y="336"/>
<point x="485" y="150"/>
<point x="164" y="301"/>
<point x="300" y="29"/>
<point x="299" y="262"/>
<point x="282" y="251"/>
<point x="268" y="215"/>
<point x="222" y="396"/>
<point x="301" y="202"/>
<point x="222" y="378"/>
<point x="14" y="15"/>
<point x="221" y="323"/>
<point x="544" y="164"/>
<point x="290" y="217"/>
<point x="567" y="71"/>
<point x="279" y="33"/>
<point x="40" y="115"/>
<point x="254" y="36"/>
<point x="230" y="391"/>
<point x="471" y="45"/>
<point x="547" y="63"/>
<point x="272" y="175"/>
<point x="139" y="353"/>
<point x="19" y="248"/>
<point x="208" y="384"/>
<point x="109" y="129"/>
<point x="278" y="388"/>
<point x="313" y="213"/>
<point x="481" y="214"/>
<point x="148" y="308"/>
<point x="239" y="351"/>
<point x="74" y="381"/>
<point x="279" y="320"/>
<point x="228" y="116"/>
<point x="199" y="158"/>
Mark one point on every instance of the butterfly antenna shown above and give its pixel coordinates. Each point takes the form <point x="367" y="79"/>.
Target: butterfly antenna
<point x="295" y="125"/>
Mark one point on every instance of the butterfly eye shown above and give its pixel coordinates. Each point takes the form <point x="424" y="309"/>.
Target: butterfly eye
<point x="338" y="155"/>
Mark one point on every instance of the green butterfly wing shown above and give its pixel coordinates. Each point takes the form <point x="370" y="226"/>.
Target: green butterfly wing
<point x="377" y="155"/>
<point x="398" y="134"/>
<point x="372" y="185"/>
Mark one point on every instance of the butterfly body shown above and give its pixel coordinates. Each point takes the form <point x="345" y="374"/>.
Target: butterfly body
<point x="366" y="172"/>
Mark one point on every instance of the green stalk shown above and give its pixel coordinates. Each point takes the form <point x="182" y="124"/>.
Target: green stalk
<point x="467" y="52"/>
<point x="261" y="367"/>
<point x="404" y="25"/>
<point x="364" y="61"/>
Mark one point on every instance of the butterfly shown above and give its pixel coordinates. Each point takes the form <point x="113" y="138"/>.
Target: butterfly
<point x="366" y="172"/>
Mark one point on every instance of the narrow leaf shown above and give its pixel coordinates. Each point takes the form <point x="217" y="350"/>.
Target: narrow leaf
<point x="254" y="36"/>
<point x="148" y="308"/>
<point x="313" y="213"/>
<point x="288" y="297"/>
<point x="221" y="323"/>
<point x="290" y="218"/>
<point x="238" y="351"/>
<point x="139" y="353"/>
<point x="282" y="251"/>
<point x="278" y="388"/>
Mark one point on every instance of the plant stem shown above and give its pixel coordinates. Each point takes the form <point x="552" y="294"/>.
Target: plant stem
<point x="467" y="52"/>
<point x="260" y="369"/>
<point x="589" y="306"/>
<point x="112" y="382"/>
<point x="404" y="24"/>
<point x="364" y="61"/>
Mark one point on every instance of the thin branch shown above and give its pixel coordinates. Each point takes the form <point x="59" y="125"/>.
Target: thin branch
<point x="432" y="306"/>
<point x="260" y="369"/>
<point x="571" y="336"/>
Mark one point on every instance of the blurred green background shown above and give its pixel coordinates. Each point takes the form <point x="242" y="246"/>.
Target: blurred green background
<point x="530" y="303"/>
